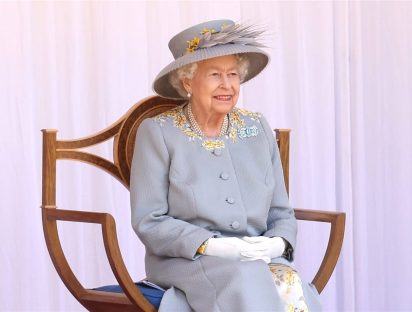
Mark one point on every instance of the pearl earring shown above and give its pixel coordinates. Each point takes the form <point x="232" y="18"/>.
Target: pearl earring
<point x="189" y="95"/>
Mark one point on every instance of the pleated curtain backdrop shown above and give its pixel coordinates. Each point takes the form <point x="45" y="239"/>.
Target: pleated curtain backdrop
<point x="340" y="77"/>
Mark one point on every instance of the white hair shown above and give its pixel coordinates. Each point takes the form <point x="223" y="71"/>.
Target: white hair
<point x="188" y="72"/>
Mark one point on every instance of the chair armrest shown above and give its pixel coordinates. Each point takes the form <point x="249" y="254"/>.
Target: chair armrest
<point x="337" y="230"/>
<point x="50" y="216"/>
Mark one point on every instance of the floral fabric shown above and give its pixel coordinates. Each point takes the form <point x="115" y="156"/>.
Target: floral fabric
<point x="289" y="287"/>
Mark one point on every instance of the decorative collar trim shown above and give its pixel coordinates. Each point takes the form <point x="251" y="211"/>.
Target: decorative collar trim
<point x="237" y="127"/>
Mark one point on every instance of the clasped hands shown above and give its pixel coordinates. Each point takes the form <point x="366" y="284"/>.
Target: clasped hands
<point x="246" y="248"/>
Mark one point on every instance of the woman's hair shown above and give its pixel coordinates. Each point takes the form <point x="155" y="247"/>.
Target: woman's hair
<point x="188" y="71"/>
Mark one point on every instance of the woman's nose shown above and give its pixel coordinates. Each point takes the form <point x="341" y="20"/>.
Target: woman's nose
<point x="225" y="82"/>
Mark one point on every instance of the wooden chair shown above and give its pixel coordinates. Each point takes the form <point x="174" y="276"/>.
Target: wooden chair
<point x="123" y="131"/>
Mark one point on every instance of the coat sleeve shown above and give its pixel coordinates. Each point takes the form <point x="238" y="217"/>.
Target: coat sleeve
<point x="161" y="234"/>
<point x="281" y="220"/>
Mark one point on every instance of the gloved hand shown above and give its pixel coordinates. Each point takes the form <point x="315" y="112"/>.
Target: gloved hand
<point x="229" y="248"/>
<point x="265" y="248"/>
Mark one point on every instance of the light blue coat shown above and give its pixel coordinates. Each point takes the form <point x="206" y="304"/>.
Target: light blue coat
<point x="185" y="189"/>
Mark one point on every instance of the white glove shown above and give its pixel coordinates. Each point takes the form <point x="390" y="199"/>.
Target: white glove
<point x="265" y="248"/>
<point x="228" y="247"/>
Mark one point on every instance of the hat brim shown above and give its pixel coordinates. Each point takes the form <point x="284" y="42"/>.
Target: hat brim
<point x="258" y="60"/>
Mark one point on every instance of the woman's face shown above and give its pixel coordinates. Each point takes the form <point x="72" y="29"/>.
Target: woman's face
<point x="215" y="86"/>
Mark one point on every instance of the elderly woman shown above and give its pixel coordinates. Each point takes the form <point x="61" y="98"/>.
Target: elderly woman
<point x="207" y="190"/>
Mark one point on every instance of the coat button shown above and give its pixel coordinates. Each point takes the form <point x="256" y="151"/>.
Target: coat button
<point x="235" y="225"/>
<point x="224" y="176"/>
<point x="230" y="200"/>
<point x="217" y="151"/>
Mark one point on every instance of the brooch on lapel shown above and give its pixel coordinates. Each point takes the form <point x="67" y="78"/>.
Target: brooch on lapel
<point x="247" y="132"/>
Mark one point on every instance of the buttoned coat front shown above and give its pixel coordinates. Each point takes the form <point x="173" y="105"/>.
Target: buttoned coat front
<point x="186" y="189"/>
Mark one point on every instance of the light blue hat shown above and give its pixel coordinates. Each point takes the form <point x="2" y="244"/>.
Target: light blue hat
<point x="208" y="40"/>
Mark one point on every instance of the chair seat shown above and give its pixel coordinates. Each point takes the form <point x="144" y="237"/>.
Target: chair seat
<point x="152" y="294"/>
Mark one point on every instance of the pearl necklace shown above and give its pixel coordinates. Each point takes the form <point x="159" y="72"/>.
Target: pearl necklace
<point x="196" y="128"/>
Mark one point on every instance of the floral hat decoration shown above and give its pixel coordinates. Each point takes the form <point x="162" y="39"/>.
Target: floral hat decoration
<point x="208" y="40"/>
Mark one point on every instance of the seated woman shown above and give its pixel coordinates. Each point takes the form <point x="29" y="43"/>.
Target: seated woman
<point x="207" y="190"/>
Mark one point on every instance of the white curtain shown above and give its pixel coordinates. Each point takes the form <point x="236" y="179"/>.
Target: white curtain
<point x="340" y="77"/>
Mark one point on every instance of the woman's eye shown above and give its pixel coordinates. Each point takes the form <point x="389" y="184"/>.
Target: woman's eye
<point x="233" y="74"/>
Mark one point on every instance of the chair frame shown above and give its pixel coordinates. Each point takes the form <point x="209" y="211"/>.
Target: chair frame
<point x="123" y="131"/>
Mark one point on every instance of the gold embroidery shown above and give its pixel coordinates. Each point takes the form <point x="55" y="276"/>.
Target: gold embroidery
<point x="232" y="134"/>
<point x="191" y="134"/>
<point x="176" y="114"/>
<point x="252" y="115"/>
<point x="213" y="144"/>
<point x="236" y="122"/>
<point x="235" y="118"/>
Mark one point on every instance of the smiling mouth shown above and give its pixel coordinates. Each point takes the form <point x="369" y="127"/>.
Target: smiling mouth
<point x="223" y="97"/>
